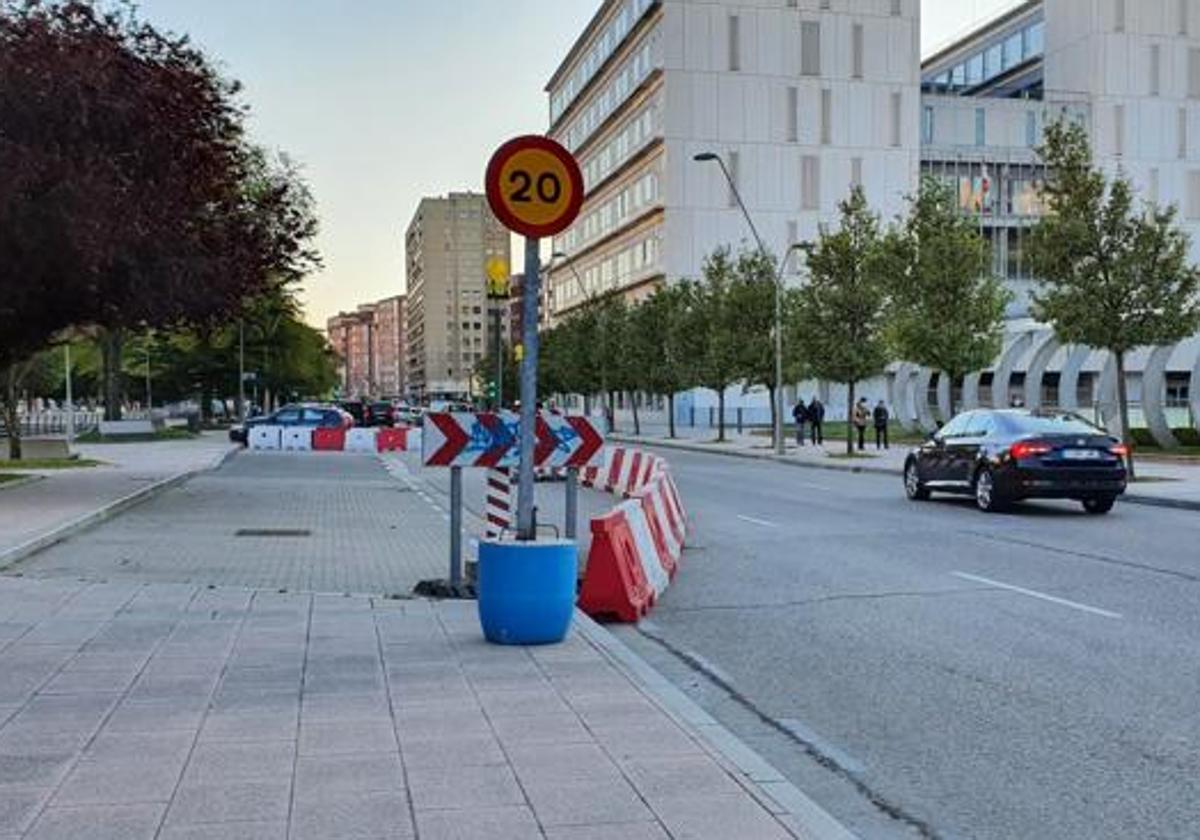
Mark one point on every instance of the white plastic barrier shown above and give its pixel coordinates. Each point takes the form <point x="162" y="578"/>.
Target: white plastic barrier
<point x="297" y="438"/>
<point x="265" y="437"/>
<point x="360" y="440"/>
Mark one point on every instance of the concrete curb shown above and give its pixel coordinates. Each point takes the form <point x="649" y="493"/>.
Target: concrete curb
<point x="20" y="482"/>
<point x="1131" y="498"/>
<point x="25" y="550"/>
<point x="785" y="801"/>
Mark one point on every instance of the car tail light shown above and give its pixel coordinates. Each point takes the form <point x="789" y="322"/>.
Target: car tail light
<point x="1028" y="449"/>
<point x="1120" y="450"/>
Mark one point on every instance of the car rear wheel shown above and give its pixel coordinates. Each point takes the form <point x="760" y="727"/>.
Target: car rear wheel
<point x="987" y="497"/>
<point x="1098" y="505"/>
<point x="914" y="488"/>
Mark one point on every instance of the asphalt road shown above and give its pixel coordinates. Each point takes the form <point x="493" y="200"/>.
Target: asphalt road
<point x="926" y="670"/>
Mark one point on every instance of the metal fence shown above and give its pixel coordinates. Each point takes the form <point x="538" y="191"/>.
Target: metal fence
<point x="54" y="423"/>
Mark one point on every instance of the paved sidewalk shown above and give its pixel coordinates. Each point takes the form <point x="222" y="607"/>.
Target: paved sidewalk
<point x="1170" y="484"/>
<point x="170" y="711"/>
<point x="63" y="496"/>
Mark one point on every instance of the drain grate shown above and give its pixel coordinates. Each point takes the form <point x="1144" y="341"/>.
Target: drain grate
<point x="272" y="532"/>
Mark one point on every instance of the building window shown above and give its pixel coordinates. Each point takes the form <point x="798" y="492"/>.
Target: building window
<point x="1194" y="73"/>
<point x="735" y="52"/>
<point x="810" y="182"/>
<point x="793" y="237"/>
<point x="735" y="166"/>
<point x="993" y="59"/>
<point x="1193" y="203"/>
<point x="856" y="178"/>
<point x="1181" y="133"/>
<point x="810" y="48"/>
<point x="975" y="69"/>
<point x="980" y="127"/>
<point x="856" y="51"/>
<point x="826" y="116"/>
<point x="793" y="115"/>
<point x="1012" y="51"/>
<point x="1155" y="68"/>
<point x="1118" y="15"/>
<point x="927" y="124"/>
<point x="1118" y="129"/>
<point x="825" y="5"/>
<point x="1031" y="132"/>
<point x="896" y="119"/>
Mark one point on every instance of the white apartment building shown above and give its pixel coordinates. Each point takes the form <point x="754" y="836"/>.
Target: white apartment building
<point x="802" y="98"/>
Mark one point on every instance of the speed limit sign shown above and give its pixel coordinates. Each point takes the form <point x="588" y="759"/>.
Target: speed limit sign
<point x="534" y="186"/>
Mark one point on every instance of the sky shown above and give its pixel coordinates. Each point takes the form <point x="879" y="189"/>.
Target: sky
<point x="385" y="101"/>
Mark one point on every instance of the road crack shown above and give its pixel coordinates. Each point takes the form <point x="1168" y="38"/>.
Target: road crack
<point x="1086" y="555"/>
<point x="879" y="801"/>
<point x="830" y="599"/>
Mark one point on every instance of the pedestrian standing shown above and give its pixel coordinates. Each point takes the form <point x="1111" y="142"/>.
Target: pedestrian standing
<point x="880" y="415"/>
<point x="816" y="419"/>
<point x="859" y="419"/>
<point x="800" y="415"/>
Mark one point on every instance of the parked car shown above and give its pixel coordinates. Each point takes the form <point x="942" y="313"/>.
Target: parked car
<point x="411" y="415"/>
<point x="370" y="412"/>
<point x="1003" y="456"/>
<point x="313" y="416"/>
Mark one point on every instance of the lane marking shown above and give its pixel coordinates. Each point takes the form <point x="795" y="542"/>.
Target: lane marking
<point x="754" y="521"/>
<point x="1042" y="596"/>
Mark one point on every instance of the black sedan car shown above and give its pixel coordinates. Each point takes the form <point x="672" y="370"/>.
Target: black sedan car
<point x="1004" y="456"/>
<point x="312" y="416"/>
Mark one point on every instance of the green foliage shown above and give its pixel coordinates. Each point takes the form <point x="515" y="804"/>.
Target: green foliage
<point x="946" y="308"/>
<point x="485" y="371"/>
<point x="842" y="308"/>
<point x="1110" y="275"/>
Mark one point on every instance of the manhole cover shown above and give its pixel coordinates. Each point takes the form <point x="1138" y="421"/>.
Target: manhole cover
<point x="272" y="532"/>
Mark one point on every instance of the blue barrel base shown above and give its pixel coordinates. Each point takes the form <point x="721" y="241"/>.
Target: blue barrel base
<point x="526" y="590"/>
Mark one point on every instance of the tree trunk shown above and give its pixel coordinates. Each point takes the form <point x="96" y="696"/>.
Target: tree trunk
<point x="774" y="408"/>
<point x="612" y="411"/>
<point x="1123" y="405"/>
<point x="12" y="420"/>
<point x="671" y="415"/>
<point x="850" y="419"/>
<point x="637" y="424"/>
<point x="111" y="342"/>
<point x="721" y="415"/>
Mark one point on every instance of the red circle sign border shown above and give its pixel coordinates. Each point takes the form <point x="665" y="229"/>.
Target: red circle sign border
<point x="492" y="185"/>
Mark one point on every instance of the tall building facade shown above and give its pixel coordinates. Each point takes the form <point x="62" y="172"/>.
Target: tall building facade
<point x="800" y="99"/>
<point x="447" y="245"/>
<point x="370" y="344"/>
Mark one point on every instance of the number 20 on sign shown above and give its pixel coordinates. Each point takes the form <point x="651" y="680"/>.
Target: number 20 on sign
<point x="534" y="186"/>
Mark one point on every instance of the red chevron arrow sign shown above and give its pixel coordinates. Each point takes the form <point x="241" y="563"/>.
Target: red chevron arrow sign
<point x="486" y="439"/>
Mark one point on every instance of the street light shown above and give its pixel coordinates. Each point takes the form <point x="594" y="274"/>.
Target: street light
<point x="777" y="430"/>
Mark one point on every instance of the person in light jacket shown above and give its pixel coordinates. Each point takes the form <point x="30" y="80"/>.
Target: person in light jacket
<point x="859" y="418"/>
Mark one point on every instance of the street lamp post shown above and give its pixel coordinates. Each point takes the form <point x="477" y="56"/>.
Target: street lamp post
<point x="777" y="430"/>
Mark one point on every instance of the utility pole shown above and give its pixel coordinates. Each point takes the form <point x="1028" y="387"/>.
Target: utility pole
<point x="70" y="406"/>
<point x="242" y="370"/>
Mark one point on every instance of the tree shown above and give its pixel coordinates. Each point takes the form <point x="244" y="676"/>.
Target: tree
<point x="1109" y="275"/>
<point x="655" y="354"/>
<point x="843" y="308"/>
<point x="549" y="369"/>
<point x="752" y="296"/>
<point x="946" y="308"/>
<point x="714" y="323"/>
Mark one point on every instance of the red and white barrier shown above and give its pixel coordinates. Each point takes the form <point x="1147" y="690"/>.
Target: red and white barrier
<point x="265" y="437"/>
<point x="498" y="502"/>
<point x="296" y="438"/>
<point x="305" y="438"/>
<point x="637" y="547"/>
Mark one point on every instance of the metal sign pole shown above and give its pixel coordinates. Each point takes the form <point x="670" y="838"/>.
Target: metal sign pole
<point x="572" y="490"/>
<point x="499" y="358"/>
<point x="455" y="526"/>
<point x="529" y="339"/>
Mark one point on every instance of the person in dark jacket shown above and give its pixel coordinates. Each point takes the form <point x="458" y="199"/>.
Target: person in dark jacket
<point x="816" y="419"/>
<point x="800" y="415"/>
<point x="881" y="417"/>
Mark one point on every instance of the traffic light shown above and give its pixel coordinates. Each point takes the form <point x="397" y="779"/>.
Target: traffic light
<point x="519" y="352"/>
<point x="491" y="390"/>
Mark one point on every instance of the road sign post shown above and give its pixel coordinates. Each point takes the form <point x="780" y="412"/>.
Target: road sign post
<point x="535" y="188"/>
<point x="455" y="527"/>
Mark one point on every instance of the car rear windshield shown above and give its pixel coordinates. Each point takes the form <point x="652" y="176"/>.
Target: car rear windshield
<point x="1050" y="424"/>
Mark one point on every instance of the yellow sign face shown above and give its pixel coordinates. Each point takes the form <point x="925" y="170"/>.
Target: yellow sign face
<point x="497" y="269"/>
<point x="534" y="186"/>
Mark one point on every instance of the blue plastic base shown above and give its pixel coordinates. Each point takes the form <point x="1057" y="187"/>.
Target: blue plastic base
<point x="526" y="590"/>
